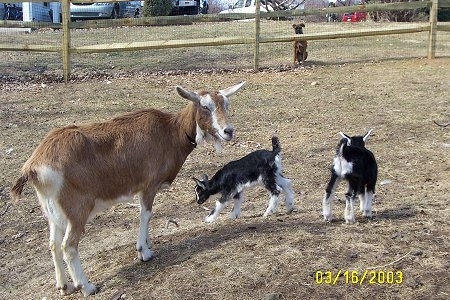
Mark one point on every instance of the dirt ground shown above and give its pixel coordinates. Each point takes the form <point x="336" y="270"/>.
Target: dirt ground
<point x="404" y="248"/>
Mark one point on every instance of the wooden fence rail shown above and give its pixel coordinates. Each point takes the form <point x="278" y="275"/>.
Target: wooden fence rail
<point x="66" y="25"/>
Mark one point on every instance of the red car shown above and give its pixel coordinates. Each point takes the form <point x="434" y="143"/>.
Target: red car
<point x="356" y="16"/>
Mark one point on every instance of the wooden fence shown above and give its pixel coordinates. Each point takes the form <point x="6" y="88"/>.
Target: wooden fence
<point x="66" y="25"/>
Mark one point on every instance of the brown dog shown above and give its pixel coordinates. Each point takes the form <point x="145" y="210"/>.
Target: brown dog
<point x="300" y="53"/>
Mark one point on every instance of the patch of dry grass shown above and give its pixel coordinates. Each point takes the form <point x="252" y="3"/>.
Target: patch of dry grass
<point x="252" y="257"/>
<point x="339" y="51"/>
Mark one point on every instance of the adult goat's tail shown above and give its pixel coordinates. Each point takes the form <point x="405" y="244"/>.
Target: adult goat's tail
<point x="276" y="145"/>
<point x="17" y="189"/>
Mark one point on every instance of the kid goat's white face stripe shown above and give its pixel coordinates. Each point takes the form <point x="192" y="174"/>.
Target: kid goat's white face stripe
<point x="196" y="194"/>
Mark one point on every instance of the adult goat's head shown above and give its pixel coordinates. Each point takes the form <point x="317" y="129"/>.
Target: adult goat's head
<point x="212" y="114"/>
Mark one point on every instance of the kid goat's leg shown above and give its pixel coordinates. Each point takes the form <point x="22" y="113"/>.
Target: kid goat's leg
<point x="274" y="196"/>
<point x="220" y="204"/>
<point x="327" y="203"/>
<point x="362" y="201"/>
<point x="349" y="213"/>
<point x="238" y="198"/>
<point x="368" y="195"/>
<point x="286" y="186"/>
<point x="142" y="245"/>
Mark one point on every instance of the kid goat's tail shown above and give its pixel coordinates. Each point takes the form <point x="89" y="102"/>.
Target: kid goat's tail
<point x="276" y="145"/>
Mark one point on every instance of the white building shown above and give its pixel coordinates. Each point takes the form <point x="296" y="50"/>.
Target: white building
<point x="36" y="11"/>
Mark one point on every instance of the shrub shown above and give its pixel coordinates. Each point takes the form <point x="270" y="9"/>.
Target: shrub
<point x="154" y="8"/>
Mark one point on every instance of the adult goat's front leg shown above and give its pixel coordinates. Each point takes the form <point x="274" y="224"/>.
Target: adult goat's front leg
<point x="142" y="245"/>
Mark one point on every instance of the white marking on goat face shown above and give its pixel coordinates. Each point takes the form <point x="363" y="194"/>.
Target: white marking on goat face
<point x="212" y="119"/>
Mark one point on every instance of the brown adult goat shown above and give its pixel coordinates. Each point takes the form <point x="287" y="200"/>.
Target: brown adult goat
<point x="78" y="171"/>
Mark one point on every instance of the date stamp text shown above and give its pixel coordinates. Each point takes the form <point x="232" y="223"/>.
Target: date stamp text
<point x="358" y="277"/>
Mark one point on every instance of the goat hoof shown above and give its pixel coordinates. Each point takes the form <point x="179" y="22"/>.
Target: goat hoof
<point x="145" y="254"/>
<point x="209" y="219"/>
<point x="327" y="217"/>
<point x="367" y="214"/>
<point x="88" y="289"/>
<point x="67" y="289"/>
<point x="233" y="216"/>
<point x="290" y="210"/>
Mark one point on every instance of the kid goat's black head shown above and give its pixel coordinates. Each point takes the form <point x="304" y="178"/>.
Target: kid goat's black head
<point x="357" y="141"/>
<point x="201" y="189"/>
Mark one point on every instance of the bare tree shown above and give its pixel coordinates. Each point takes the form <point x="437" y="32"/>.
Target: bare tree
<point x="282" y="4"/>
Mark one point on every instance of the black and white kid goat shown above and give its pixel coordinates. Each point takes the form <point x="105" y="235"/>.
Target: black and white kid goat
<point x="262" y="167"/>
<point x="357" y="165"/>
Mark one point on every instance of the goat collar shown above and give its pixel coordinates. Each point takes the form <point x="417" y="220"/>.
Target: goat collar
<point x="191" y="140"/>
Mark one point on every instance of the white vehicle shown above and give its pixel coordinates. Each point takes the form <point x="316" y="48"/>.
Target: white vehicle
<point x="245" y="7"/>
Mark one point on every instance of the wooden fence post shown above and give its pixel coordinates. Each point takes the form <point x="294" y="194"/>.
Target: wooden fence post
<point x="65" y="47"/>
<point x="257" y="34"/>
<point x="433" y="30"/>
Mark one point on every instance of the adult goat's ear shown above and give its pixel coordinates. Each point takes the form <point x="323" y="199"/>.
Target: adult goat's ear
<point x="349" y="140"/>
<point x="193" y="96"/>
<point x="366" y="137"/>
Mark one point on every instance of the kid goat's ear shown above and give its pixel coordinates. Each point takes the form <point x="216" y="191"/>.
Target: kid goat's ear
<point x="199" y="183"/>
<point x="366" y="137"/>
<point x="349" y="140"/>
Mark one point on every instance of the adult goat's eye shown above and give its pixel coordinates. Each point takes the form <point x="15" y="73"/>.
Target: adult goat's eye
<point x="205" y="107"/>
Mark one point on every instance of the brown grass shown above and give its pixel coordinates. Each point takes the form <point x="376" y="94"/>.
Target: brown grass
<point x="326" y="52"/>
<point x="253" y="257"/>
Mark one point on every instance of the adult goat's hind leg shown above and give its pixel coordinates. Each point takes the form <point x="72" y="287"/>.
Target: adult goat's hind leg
<point x="72" y="259"/>
<point x="56" y="239"/>
<point x="56" y="224"/>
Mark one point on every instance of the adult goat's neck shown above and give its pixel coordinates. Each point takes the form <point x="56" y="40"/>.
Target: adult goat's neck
<point x="187" y="125"/>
